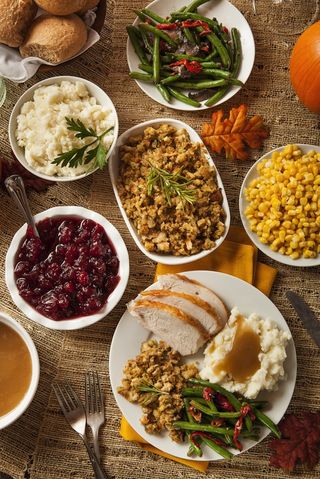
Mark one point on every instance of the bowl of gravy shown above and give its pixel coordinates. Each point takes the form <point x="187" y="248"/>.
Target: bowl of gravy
<point x="19" y="371"/>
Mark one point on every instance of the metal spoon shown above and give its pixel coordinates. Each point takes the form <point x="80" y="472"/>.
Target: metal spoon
<point x="16" y="190"/>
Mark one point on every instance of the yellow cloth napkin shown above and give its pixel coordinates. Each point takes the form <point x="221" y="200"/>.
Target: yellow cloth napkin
<point x="236" y="256"/>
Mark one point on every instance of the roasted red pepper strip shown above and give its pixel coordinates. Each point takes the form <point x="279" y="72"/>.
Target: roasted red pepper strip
<point x="167" y="26"/>
<point x="208" y="394"/>
<point x="194" y="434"/>
<point x="193" y="67"/>
<point x="223" y="402"/>
<point x="197" y="23"/>
<point x="244" y="411"/>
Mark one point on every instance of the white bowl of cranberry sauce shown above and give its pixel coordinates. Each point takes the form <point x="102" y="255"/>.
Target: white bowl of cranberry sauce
<point x="71" y="277"/>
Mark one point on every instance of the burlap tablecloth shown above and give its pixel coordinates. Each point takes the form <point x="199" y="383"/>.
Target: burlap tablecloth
<point x="41" y="445"/>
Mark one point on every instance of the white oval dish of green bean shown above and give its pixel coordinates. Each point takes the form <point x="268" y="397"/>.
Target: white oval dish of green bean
<point x="190" y="56"/>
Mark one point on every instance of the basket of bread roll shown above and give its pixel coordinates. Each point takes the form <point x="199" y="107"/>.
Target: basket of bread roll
<point x="46" y="32"/>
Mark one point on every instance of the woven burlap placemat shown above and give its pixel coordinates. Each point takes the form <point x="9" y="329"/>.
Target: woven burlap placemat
<point x="41" y="445"/>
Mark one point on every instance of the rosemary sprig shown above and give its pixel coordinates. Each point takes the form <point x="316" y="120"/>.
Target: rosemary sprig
<point x="172" y="184"/>
<point x="151" y="393"/>
<point x="83" y="155"/>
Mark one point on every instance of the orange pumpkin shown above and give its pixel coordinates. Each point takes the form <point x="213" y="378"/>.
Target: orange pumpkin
<point x="305" y="67"/>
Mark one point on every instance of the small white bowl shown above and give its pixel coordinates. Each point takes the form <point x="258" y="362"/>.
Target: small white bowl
<point x="94" y="90"/>
<point x="114" y="174"/>
<point x="243" y="204"/>
<point x="228" y="15"/>
<point x="113" y="299"/>
<point x="13" y="415"/>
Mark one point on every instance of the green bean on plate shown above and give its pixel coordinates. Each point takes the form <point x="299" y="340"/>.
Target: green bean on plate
<point x="186" y="55"/>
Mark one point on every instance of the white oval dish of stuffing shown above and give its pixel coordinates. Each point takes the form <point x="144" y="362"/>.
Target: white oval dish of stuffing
<point x="38" y="131"/>
<point x="129" y="335"/>
<point x="252" y="174"/>
<point x="114" y="167"/>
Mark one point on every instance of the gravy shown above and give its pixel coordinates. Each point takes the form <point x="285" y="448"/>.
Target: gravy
<point x="15" y="369"/>
<point x="242" y="361"/>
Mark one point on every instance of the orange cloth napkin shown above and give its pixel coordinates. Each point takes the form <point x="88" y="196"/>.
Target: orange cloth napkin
<point x="236" y="256"/>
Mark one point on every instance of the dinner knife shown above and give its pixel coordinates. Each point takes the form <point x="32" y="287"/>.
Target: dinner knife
<point x="306" y="315"/>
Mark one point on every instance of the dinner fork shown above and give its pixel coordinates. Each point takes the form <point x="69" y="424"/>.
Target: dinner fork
<point x="94" y="407"/>
<point x="75" y="415"/>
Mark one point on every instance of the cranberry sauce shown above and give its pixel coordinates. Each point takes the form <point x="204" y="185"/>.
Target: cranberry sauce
<point x="70" y="271"/>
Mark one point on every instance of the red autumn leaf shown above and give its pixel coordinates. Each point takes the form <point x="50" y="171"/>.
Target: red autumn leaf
<point x="13" y="167"/>
<point x="234" y="134"/>
<point x="300" y="442"/>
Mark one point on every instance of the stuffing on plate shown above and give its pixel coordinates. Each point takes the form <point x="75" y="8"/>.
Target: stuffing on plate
<point x="154" y="379"/>
<point x="169" y="192"/>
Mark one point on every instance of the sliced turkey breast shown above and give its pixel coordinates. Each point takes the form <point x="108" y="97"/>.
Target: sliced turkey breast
<point x="188" y="303"/>
<point x="180" y="283"/>
<point x="178" y="329"/>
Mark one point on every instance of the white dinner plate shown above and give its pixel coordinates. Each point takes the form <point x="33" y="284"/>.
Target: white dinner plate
<point x="226" y="14"/>
<point x="130" y="334"/>
<point x="243" y="204"/>
<point x="114" y="163"/>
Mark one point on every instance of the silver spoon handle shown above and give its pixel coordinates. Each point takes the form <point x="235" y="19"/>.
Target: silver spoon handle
<point x="15" y="187"/>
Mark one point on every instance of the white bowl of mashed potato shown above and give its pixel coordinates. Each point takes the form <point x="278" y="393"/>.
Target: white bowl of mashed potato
<point x="38" y="129"/>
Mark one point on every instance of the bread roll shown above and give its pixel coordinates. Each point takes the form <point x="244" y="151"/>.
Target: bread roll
<point x="88" y="4"/>
<point x="55" y="39"/>
<point x="61" y="7"/>
<point x="15" y="19"/>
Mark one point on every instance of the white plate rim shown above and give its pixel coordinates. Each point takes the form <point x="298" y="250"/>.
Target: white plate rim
<point x="176" y="104"/>
<point x="243" y="203"/>
<point x="113" y="164"/>
<point x="124" y="405"/>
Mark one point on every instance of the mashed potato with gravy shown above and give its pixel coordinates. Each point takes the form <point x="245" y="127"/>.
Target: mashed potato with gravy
<point x="42" y="129"/>
<point x="270" y="355"/>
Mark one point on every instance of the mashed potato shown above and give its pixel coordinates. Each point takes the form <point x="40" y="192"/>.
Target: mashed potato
<point x="270" y="355"/>
<point x="42" y="129"/>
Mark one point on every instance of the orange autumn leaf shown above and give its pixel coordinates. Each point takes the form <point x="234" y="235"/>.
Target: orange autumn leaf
<point x="234" y="134"/>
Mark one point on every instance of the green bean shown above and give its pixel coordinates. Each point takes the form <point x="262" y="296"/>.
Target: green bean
<point x="172" y="57"/>
<point x="195" y="4"/>
<point x="189" y="36"/>
<point x="217" y="96"/>
<point x="199" y="84"/>
<point x="146" y="42"/>
<point x="210" y="412"/>
<point x="185" y="99"/>
<point x="235" y="35"/>
<point x="258" y="404"/>
<point x="195" y="16"/>
<point x="143" y="17"/>
<point x="156" y="60"/>
<point x="164" y="92"/>
<point x="211" y="55"/>
<point x="141" y="76"/>
<point x="187" y="426"/>
<point x="221" y="49"/>
<point x="134" y="35"/>
<point x="210" y="64"/>
<point x="158" y="33"/>
<point x="216" y="72"/>
<point x="206" y="403"/>
<point x="219" y="449"/>
<point x="154" y="16"/>
<point x="193" y="392"/>
<point x="170" y="79"/>
<point x="266" y="421"/>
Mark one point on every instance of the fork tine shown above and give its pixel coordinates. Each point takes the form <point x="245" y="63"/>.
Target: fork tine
<point x="100" y="395"/>
<point x="91" y="389"/>
<point x="74" y="397"/>
<point x="61" y="398"/>
<point x="87" y="391"/>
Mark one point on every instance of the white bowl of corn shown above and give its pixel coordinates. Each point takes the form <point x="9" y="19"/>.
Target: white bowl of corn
<point x="280" y="204"/>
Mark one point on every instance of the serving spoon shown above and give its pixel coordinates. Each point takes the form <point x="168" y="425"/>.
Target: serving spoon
<point x="16" y="190"/>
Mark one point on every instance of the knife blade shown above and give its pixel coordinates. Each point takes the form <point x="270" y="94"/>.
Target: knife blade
<point x="306" y="315"/>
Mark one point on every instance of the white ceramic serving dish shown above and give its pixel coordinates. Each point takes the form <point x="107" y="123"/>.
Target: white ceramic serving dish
<point x="228" y="15"/>
<point x="243" y="204"/>
<point x="114" y="173"/>
<point x="102" y="98"/>
<point x="130" y="334"/>
<point x="113" y="299"/>
<point x="13" y="415"/>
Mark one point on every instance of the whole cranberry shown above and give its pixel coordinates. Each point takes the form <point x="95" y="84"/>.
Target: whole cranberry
<point x="53" y="271"/>
<point x="22" y="267"/>
<point x="83" y="278"/>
